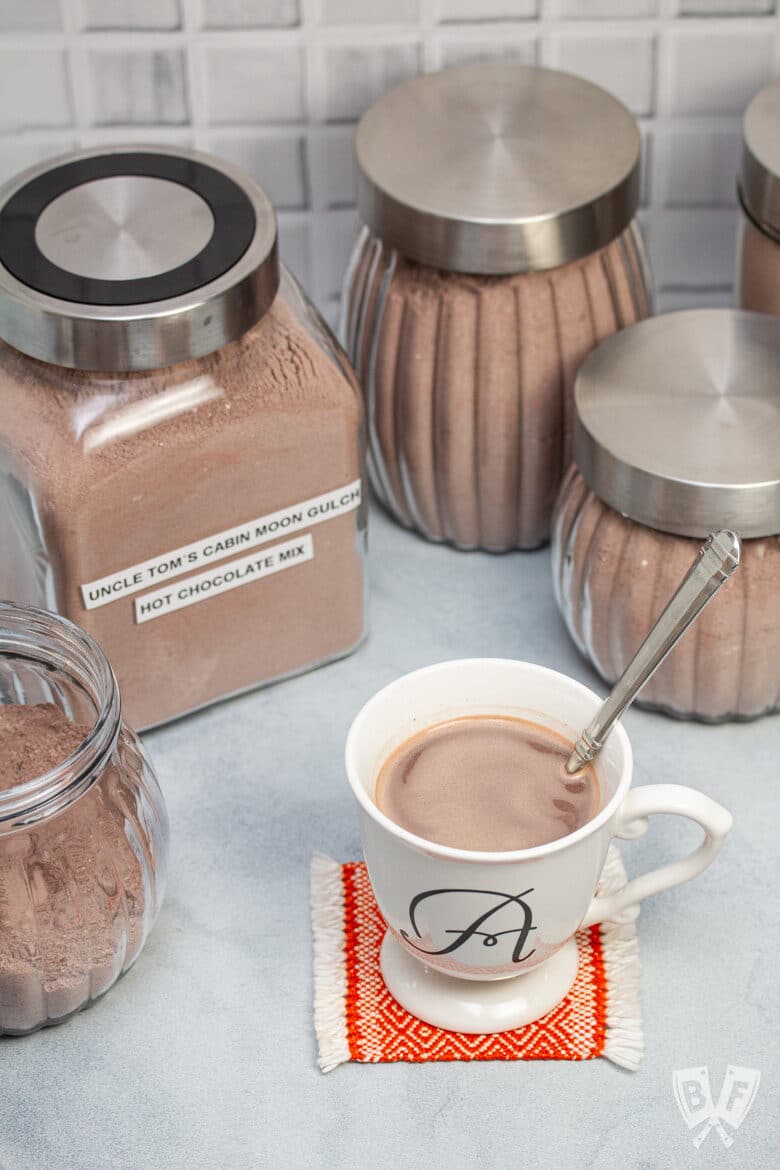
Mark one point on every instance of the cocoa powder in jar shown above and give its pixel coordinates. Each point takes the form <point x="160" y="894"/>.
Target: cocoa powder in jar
<point x="125" y="467"/>
<point x="73" y="894"/>
<point x="470" y="379"/>
<point x="759" y="270"/>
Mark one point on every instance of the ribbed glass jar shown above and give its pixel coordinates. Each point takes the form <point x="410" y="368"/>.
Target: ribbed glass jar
<point x="499" y="248"/>
<point x="83" y="847"/>
<point x="468" y="382"/>
<point x="612" y="578"/>
<point x="758" y="263"/>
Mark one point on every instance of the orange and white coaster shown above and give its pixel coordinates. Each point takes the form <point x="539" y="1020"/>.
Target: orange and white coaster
<point x="356" y="1018"/>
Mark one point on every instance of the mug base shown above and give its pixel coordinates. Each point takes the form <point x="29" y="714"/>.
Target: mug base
<point x="477" y="1007"/>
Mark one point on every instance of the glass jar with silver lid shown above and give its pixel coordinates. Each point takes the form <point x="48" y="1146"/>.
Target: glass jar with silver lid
<point x="181" y="437"/>
<point x="677" y="433"/>
<point x="499" y="247"/>
<point x="758" y="266"/>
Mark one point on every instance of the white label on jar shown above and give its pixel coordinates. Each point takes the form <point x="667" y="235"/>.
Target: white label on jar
<point x="218" y="580"/>
<point x="221" y="545"/>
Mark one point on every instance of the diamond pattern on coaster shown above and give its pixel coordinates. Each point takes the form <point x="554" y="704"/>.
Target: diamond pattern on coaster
<point x="357" y="1019"/>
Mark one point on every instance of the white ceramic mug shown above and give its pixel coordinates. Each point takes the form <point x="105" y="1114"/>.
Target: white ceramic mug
<point x="489" y="916"/>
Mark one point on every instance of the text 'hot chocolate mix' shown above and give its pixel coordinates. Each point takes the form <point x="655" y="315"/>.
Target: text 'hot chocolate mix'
<point x="184" y="481"/>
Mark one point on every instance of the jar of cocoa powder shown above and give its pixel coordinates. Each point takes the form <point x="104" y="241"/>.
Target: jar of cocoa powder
<point x="677" y="434"/>
<point x="83" y="826"/>
<point x="181" y="438"/>
<point x="499" y="247"/>
<point x="758" y="266"/>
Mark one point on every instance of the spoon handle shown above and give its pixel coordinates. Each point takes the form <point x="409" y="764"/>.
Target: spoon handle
<point x="714" y="564"/>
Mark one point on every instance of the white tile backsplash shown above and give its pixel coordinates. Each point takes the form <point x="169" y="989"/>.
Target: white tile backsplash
<point x="606" y="9"/>
<point x="354" y="75"/>
<point x="254" y="84"/>
<point x="520" y="47"/>
<point x="696" y="166"/>
<point x="34" y="88"/>
<point x="131" y="14"/>
<point x="673" y="299"/>
<point x="335" y="235"/>
<point x="717" y="71"/>
<point x="16" y="154"/>
<point x="332" y="168"/>
<point x="478" y="11"/>
<point x="692" y="247"/>
<point x="137" y="86"/>
<point x="622" y="63"/>
<point x="277" y="162"/>
<point x="30" y="15"/>
<point x="277" y="85"/>
<point x="726" y="7"/>
<point x="370" y="11"/>
<point x="295" y="247"/>
<point x="249" y="13"/>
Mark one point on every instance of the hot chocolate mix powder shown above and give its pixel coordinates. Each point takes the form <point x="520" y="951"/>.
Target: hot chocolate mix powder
<point x="759" y="276"/>
<point x="470" y="384"/>
<point x="72" y="892"/>
<point x="124" y="468"/>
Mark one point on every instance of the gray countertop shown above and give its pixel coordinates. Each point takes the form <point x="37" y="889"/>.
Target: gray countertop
<point x="203" y="1057"/>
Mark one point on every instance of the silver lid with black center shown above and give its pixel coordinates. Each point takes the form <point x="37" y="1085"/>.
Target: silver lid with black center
<point x="759" y="181"/>
<point x="131" y="258"/>
<point x="677" y="422"/>
<point x="497" y="168"/>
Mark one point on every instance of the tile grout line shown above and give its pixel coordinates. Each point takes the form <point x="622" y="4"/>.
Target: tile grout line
<point x="72" y="20"/>
<point x="195" y="73"/>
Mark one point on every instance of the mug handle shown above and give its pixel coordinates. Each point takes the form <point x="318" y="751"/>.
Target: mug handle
<point x="632" y="822"/>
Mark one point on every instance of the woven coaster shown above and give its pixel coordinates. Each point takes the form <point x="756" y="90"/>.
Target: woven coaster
<point x="356" y="1018"/>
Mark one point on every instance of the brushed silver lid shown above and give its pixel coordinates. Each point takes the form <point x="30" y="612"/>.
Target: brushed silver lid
<point x="497" y="168"/>
<point x="131" y="258"/>
<point x="759" y="183"/>
<point x="677" y="422"/>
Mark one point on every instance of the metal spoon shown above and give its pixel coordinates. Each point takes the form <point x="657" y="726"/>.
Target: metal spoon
<point x="714" y="564"/>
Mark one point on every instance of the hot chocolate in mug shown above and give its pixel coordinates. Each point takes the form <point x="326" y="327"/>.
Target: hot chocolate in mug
<point x="479" y="941"/>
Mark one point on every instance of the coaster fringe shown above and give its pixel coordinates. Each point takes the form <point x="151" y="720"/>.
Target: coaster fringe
<point x="623" y="1039"/>
<point x="624" y="1043"/>
<point x="330" y="978"/>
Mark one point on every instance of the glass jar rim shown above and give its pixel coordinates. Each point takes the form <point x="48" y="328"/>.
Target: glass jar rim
<point x="49" y="638"/>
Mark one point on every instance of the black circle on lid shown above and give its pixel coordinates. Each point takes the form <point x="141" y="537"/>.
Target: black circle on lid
<point x="234" y="228"/>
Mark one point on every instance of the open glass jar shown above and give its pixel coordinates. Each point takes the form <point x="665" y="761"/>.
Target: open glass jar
<point x="677" y="435"/>
<point x="499" y="248"/>
<point x="758" y="267"/>
<point x="181" y="438"/>
<point x="83" y="844"/>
